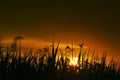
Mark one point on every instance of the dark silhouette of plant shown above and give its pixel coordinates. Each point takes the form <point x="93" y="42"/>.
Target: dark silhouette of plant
<point x="18" y="39"/>
<point x="40" y="65"/>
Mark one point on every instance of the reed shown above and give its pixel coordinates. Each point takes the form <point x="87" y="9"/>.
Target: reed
<point x="40" y="64"/>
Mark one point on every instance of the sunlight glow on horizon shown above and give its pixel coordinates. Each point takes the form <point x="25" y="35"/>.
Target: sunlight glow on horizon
<point x="36" y="43"/>
<point x="73" y="61"/>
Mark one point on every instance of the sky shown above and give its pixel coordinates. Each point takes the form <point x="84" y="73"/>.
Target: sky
<point x="96" y="22"/>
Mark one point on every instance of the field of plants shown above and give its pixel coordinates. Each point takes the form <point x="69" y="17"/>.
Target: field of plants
<point x="51" y="64"/>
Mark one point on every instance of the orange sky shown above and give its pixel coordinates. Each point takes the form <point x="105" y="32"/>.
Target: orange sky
<point x="36" y="43"/>
<point x="97" y="23"/>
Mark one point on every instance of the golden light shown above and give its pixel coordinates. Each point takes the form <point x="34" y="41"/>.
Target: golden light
<point x="73" y="61"/>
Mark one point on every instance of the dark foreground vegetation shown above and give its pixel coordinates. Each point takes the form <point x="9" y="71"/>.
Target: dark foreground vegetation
<point x="42" y="65"/>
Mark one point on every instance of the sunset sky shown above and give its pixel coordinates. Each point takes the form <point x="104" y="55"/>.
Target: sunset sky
<point x="97" y="22"/>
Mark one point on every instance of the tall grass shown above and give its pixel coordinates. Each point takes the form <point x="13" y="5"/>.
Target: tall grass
<point x="42" y="64"/>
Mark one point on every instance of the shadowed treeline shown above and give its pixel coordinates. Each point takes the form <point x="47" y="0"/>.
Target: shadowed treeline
<point x="45" y="64"/>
